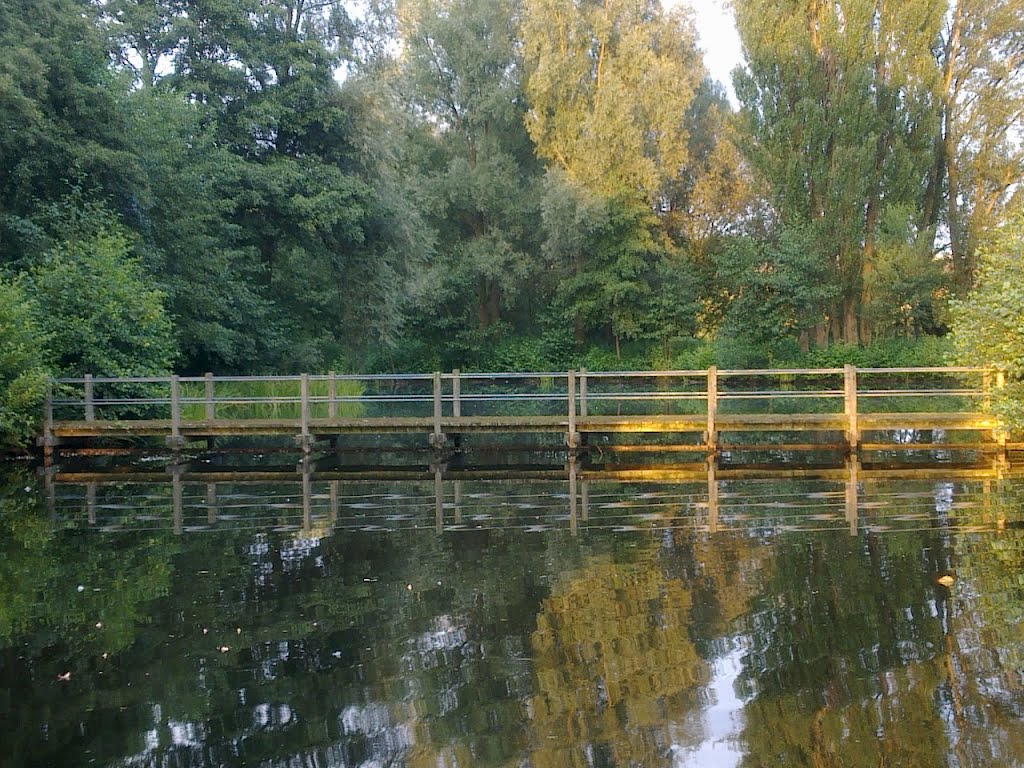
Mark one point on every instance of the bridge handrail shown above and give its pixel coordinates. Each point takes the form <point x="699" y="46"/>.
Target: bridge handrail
<point x="445" y="389"/>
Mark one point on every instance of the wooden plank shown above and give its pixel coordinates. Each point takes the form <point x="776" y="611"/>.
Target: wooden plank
<point x="692" y="472"/>
<point x="592" y="424"/>
<point x="515" y="424"/>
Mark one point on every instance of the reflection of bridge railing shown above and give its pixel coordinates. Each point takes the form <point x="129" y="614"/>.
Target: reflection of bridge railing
<point x="843" y="405"/>
<point x="697" y="496"/>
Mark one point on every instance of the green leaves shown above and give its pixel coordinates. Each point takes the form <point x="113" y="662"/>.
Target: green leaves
<point x="988" y="325"/>
<point x="23" y="373"/>
<point x="94" y="303"/>
<point x="608" y="86"/>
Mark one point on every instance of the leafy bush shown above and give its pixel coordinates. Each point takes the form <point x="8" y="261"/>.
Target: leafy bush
<point x="894" y="353"/>
<point x="23" y="374"/>
<point x="98" y="310"/>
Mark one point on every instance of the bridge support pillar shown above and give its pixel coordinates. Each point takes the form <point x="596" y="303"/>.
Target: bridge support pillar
<point x="175" y="442"/>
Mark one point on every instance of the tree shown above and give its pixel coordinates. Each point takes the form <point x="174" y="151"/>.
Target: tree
<point x="461" y="71"/>
<point x="608" y="85"/>
<point x="988" y="325"/>
<point x="978" y="157"/>
<point x="93" y="301"/>
<point x="840" y="113"/>
<point x="778" y="288"/>
<point x="606" y="252"/>
<point x="61" y="122"/>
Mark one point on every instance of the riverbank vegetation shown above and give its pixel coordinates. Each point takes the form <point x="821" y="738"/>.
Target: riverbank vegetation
<point x="263" y="186"/>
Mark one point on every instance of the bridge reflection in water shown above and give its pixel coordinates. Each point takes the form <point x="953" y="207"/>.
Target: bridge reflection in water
<point x="318" y="497"/>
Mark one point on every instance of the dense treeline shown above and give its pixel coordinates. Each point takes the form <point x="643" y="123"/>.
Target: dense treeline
<point x="285" y="185"/>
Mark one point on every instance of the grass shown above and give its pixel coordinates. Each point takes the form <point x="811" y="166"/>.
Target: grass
<point x="270" y="400"/>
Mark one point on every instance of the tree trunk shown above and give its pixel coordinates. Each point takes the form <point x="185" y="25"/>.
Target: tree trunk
<point x="851" y="333"/>
<point x="821" y="334"/>
<point x="867" y="268"/>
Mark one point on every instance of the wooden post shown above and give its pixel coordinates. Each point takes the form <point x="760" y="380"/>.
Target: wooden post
<point x="175" y="441"/>
<point x="332" y="395"/>
<point x="712" y="495"/>
<point x="986" y="391"/>
<point x="456" y="393"/>
<point x="304" y="406"/>
<point x="712" y="429"/>
<point x="850" y="406"/>
<point x="458" y="502"/>
<point x="583" y="391"/>
<point x="211" y="503"/>
<point x="437" y="436"/>
<point x="573" y="524"/>
<point x="853" y="467"/>
<point x="51" y="493"/>
<point x="1002" y="433"/>
<point x="48" y="425"/>
<point x="211" y="408"/>
<point x="307" y="494"/>
<point x="333" y="491"/>
<point x="90" y="408"/>
<point x="438" y="498"/>
<point x="572" y="439"/>
<point x="90" y="502"/>
<point x="176" y="500"/>
<point x="584" y="499"/>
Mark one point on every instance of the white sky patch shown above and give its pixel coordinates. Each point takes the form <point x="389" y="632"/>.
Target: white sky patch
<point x="719" y="39"/>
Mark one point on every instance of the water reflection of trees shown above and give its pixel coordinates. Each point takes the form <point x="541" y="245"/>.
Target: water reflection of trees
<point x="615" y="665"/>
<point x="854" y="656"/>
<point x="857" y="658"/>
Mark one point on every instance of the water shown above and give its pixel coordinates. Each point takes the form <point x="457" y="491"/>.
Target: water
<point x="516" y="625"/>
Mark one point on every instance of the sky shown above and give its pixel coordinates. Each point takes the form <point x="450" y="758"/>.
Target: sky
<point x="718" y="38"/>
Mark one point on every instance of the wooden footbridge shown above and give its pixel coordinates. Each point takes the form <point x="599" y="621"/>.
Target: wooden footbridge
<point x="710" y="412"/>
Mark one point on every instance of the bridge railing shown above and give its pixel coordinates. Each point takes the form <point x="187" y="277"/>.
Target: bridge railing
<point x="555" y="394"/>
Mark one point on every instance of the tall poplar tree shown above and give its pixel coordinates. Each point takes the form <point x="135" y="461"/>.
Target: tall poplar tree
<point x="979" y="152"/>
<point x="608" y="87"/>
<point x="838" y="100"/>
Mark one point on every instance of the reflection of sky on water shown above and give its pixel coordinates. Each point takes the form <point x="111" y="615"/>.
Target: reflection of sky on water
<point x="720" y="721"/>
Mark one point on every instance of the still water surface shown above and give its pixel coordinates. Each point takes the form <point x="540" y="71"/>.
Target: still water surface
<point x="512" y="634"/>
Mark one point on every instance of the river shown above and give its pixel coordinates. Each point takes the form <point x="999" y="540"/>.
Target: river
<point x="516" y="625"/>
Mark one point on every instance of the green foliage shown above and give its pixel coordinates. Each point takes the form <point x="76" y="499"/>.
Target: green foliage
<point x="607" y="86"/>
<point x="840" y="120"/>
<point x="926" y="352"/>
<point x="61" y="122"/>
<point x="93" y="302"/>
<point x="779" y="288"/>
<point x="906" y="283"/>
<point x="22" y="368"/>
<point x="988" y="326"/>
